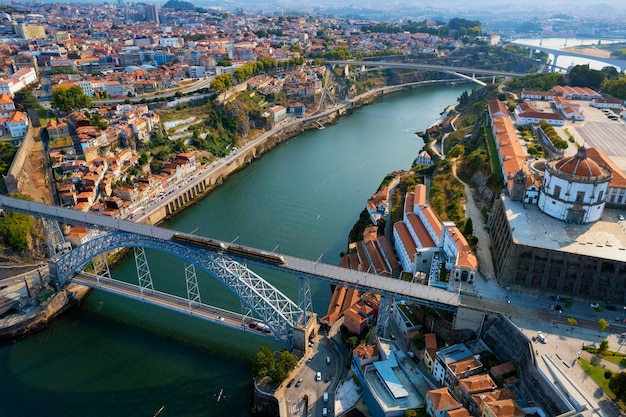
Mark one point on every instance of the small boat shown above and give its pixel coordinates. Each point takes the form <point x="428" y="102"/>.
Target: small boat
<point x="219" y="397"/>
<point x="159" y="411"/>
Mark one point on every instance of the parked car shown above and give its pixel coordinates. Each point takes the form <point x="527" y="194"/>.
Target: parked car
<point x="620" y="217"/>
<point x="290" y="383"/>
<point x="594" y="305"/>
<point x="299" y="383"/>
<point x="318" y="376"/>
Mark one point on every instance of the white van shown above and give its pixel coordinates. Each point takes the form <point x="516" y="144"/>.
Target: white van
<point x="324" y="412"/>
<point x="325" y="397"/>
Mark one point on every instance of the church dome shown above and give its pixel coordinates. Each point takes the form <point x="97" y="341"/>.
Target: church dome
<point x="579" y="165"/>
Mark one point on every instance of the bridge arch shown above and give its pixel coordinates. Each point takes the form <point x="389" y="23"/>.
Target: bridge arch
<point x="277" y="311"/>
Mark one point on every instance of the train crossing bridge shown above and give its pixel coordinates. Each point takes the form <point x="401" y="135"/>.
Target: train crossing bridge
<point x="279" y="317"/>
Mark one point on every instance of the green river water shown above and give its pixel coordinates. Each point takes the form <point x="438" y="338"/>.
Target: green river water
<point x="116" y="357"/>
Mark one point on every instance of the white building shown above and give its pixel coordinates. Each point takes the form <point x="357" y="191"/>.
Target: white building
<point x="17" y="124"/>
<point x="533" y="118"/>
<point x="574" y="189"/>
<point x="20" y="79"/>
<point x="424" y="158"/>
<point x="171" y="42"/>
<point x="460" y="260"/>
<point x="606" y="103"/>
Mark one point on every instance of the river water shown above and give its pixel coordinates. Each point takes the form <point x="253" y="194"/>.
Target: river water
<point x="117" y="357"/>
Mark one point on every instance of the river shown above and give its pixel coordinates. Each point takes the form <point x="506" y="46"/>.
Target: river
<point x="116" y="357"/>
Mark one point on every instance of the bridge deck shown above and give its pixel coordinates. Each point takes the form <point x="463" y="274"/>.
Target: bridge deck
<point x="389" y="287"/>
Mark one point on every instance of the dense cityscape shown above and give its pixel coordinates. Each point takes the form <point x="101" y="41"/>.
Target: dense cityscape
<point x="490" y="260"/>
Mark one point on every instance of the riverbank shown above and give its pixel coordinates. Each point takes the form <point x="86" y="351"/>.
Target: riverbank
<point x="211" y="177"/>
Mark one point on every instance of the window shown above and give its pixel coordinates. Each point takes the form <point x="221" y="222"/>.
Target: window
<point x="600" y="196"/>
<point x="557" y="191"/>
<point x="580" y="196"/>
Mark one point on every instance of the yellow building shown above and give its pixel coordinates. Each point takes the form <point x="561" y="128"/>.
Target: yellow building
<point x="30" y="31"/>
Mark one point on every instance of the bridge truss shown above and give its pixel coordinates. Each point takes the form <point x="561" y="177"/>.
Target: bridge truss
<point x="277" y="311"/>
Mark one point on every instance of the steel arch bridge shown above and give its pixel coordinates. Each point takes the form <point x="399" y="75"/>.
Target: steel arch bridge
<point x="277" y="311"/>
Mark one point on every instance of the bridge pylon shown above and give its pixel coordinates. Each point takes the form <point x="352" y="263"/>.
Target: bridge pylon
<point x="304" y="298"/>
<point x="383" y="316"/>
<point x="101" y="266"/>
<point x="57" y="245"/>
<point x="143" y="270"/>
<point x="193" y="291"/>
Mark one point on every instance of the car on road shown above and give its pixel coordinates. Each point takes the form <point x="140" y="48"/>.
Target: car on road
<point x="220" y="318"/>
<point x="318" y="376"/>
<point x="309" y="360"/>
<point x="324" y="412"/>
<point x="299" y="383"/>
<point x="594" y="305"/>
<point x="541" y="338"/>
<point x="620" y="217"/>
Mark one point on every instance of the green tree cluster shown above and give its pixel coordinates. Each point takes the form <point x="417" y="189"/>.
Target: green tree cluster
<point x="617" y="384"/>
<point x="7" y="152"/>
<point x="24" y="100"/>
<point x="250" y="69"/>
<point x="615" y="87"/>
<point x="16" y="227"/>
<point x="222" y="82"/>
<point x="552" y="135"/>
<point x="277" y="368"/>
<point x="224" y="62"/>
<point x="541" y="82"/>
<point x="67" y="99"/>
<point x="339" y="53"/>
<point x="583" y="76"/>
<point x="179" y="5"/>
<point x="266" y="33"/>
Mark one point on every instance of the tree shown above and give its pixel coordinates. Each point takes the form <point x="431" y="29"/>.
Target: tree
<point x="224" y="62"/>
<point x="418" y="340"/>
<point x="617" y="384"/>
<point x="24" y="100"/>
<point x="339" y="53"/>
<point x="16" y="227"/>
<point x="352" y="342"/>
<point x="468" y="229"/>
<point x="71" y="98"/>
<point x="264" y="363"/>
<point x="222" y="82"/>
<point x="285" y="363"/>
<point x="456" y="151"/>
<point x="608" y="375"/>
<point x="604" y="346"/>
<point x="603" y="324"/>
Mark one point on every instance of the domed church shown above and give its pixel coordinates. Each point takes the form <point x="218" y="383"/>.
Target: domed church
<point x="574" y="189"/>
